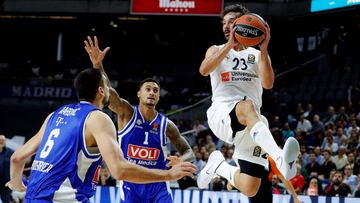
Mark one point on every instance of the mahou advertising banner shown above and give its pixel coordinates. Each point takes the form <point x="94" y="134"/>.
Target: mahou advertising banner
<point x="177" y="7"/>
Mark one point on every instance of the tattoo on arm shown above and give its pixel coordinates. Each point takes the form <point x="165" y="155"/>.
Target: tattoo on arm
<point x="179" y="142"/>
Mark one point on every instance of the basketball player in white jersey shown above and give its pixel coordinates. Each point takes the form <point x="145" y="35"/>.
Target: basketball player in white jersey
<point x="238" y="74"/>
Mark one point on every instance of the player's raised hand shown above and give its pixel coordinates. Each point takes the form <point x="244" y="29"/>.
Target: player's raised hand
<point x="232" y="40"/>
<point x="181" y="170"/>
<point x="265" y="43"/>
<point x="173" y="160"/>
<point x="92" y="48"/>
<point x="16" y="185"/>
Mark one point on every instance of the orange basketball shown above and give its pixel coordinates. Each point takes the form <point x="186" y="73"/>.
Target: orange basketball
<point x="250" y="29"/>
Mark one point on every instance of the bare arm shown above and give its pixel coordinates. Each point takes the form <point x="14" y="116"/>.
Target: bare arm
<point x="19" y="157"/>
<point x="266" y="71"/>
<point x="120" y="106"/>
<point x="213" y="58"/>
<point x="180" y="143"/>
<point x="100" y="126"/>
<point x="214" y="55"/>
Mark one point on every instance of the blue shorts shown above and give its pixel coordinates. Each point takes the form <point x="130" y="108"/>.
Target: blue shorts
<point x="146" y="193"/>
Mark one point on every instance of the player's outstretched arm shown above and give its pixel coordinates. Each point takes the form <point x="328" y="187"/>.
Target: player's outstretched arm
<point x="180" y="143"/>
<point x="118" y="105"/>
<point x="100" y="126"/>
<point x="18" y="159"/>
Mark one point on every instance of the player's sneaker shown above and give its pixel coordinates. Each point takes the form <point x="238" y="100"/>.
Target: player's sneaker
<point x="208" y="172"/>
<point x="287" y="162"/>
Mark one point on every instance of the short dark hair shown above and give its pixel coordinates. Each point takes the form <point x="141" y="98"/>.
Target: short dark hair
<point x="236" y="8"/>
<point x="148" y="80"/>
<point x="86" y="84"/>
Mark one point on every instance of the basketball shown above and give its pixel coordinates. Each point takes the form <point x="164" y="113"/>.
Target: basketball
<point x="250" y="29"/>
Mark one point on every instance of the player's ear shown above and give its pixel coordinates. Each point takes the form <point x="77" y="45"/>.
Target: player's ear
<point x="101" y="90"/>
<point x="138" y="94"/>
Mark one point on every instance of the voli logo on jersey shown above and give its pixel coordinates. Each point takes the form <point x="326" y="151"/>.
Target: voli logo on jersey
<point x="145" y="153"/>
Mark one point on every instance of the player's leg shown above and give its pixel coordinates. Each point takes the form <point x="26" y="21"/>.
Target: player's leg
<point x="227" y="128"/>
<point x="265" y="191"/>
<point x="285" y="159"/>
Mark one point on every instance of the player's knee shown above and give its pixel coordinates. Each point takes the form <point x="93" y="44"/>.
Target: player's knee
<point x="246" y="107"/>
<point x="250" y="191"/>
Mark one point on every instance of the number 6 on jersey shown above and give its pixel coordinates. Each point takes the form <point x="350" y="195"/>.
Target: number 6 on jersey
<point x="49" y="143"/>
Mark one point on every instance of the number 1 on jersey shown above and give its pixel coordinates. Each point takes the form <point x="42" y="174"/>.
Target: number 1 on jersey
<point x="146" y="142"/>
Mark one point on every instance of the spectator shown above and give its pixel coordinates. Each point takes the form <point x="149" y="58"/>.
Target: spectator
<point x="337" y="187"/>
<point x="313" y="187"/>
<point x="339" y="135"/>
<point x="199" y="163"/>
<point x="330" y="116"/>
<point x="309" y="113"/>
<point x="319" y="157"/>
<point x="298" y="181"/>
<point x="330" y="144"/>
<point x="342" y="116"/>
<point x="276" y="186"/>
<point x="304" y="155"/>
<point x="286" y="132"/>
<point x="304" y="124"/>
<point x="313" y="166"/>
<point x="198" y="127"/>
<point x="354" y="141"/>
<point x="349" y="178"/>
<point x="357" y="192"/>
<point x="317" y="126"/>
<point x="355" y="168"/>
<point x="328" y="164"/>
<point x="340" y="160"/>
<point x="209" y="143"/>
<point x="354" y="127"/>
<point x="5" y="154"/>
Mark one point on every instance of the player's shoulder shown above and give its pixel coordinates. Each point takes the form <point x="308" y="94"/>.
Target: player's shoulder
<point x="98" y="116"/>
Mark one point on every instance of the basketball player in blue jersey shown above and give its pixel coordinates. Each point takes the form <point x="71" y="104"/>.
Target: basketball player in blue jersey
<point x="70" y="146"/>
<point x="238" y="75"/>
<point x="143" y="134"/>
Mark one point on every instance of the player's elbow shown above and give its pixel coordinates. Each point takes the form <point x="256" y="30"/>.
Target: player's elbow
<point x="268" y="85"/>
<point x="16" y="158"/>
<point x="203" y="72"/>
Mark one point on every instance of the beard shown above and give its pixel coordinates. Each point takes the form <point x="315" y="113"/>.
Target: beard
<point x="337" y="182"/>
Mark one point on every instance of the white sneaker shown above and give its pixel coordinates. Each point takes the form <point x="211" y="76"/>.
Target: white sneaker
<point x="208" y="172"/>
<point x="287" y="163"/>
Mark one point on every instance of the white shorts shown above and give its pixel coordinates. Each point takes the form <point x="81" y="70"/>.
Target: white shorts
<point x="245" y="147"/>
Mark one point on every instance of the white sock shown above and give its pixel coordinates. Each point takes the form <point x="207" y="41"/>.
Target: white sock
<point x="263" y="137"/>
<point x="227" y="171"/>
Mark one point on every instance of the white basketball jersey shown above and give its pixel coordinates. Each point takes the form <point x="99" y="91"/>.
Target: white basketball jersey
<point x="237" y="77"/>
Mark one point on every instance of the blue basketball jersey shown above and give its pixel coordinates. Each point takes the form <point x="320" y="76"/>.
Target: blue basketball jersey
<point x="144" y="143"/>
<point x="63" y="169"/>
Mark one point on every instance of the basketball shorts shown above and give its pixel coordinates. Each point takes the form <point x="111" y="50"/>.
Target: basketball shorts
<point x="145" y="193"/>
<point x="221" y="122"/>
